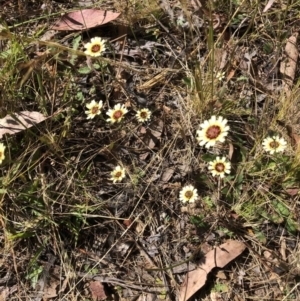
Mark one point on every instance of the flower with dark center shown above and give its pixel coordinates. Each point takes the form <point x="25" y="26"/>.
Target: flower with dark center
<point x="95" y="47"/>
<point x="274" y="144"/>
<point x="212" y="131"/>
<point x="219" y="167"/>
<point x="118" y="174"/>
<point x="117" y="113"/>
<point x="143" y="115"/>
<point x="188" y="194"/>
<point x="94" y="109"/>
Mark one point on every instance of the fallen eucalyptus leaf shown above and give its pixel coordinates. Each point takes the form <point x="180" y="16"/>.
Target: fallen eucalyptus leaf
<point x="84" y="19"/>
<point x="14" y="123"/>
<point x="218" y="257"/>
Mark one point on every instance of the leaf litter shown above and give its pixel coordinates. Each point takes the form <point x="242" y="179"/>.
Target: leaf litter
<point x="150" y="204"/>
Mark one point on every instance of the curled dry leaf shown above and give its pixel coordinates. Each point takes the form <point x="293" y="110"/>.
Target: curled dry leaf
<point x="219" y="257"/>
<point x="84" y="19"/>
<point x="12" y="124"/>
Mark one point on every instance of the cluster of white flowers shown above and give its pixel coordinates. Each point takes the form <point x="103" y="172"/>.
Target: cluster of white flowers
<point x="211" y="131"/>
<point x="214" y="131"/>
<point x="116" y="114"/>
<point x="95" y="48"/>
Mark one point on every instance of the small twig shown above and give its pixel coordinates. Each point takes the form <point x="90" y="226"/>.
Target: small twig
<point x="122" y="283"/>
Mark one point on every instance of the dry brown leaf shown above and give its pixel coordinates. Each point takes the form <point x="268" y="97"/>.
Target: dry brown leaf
<point x="221" y="58"/>
<point x="143" y="130"/>
<point x="12" y="124"/>
<point x="97" y="290"/>
<point x="295" y="138"/>
<point x="219" y="257"/>
<point x="84" y="19"/>
<point x="51" y="290"/>
<point x="144" y="156"/>
<point x="166" y="109"/>
<point x="157" y="129"/>
<point x="128" y="222"/>
<point x="167" y="174"/>
<point x="151" y="143"/>
<point x="289" y="65"/>
<point x="230" y="74"/>
<point x="6" y="291"/>
<point x="292" y="191"/>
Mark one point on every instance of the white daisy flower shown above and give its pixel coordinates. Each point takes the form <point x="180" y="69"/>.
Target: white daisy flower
<point x="212" y="131"/>
<point x="2" y="152"/>
<point x="118" y="174"/>
<point x="95" y="47"/>
<point x="220" y="76"/>
<point x="274" y="144"/>
<point x="143" y="115"/>
<point x="117" y="113"/>
<point x="219" y="167"/>
<point x="94" y="109"/>
<point x="188" y="194"/>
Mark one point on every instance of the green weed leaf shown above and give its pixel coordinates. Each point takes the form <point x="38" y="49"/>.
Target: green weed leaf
<point x="85" y="70"/>
<point x="292" y="226"/>
<point x="280" y="208"/>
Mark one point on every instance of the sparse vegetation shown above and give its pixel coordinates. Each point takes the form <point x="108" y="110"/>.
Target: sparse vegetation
<point x="130" y="150"/>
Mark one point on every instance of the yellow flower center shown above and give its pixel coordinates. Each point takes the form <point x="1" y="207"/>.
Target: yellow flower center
<point x="118" y="174"/>
<point x="118" y="114"/>
<point x="274" y="144"/>
<point x="188" y="194"/>
<point x="219" y="167"/>
<point x="95" y="110"/>
<point x="213" y="132"/>
<point x="96" y="48"/>
<point x="143" y="115"/>
<point x="1" y="155"/>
